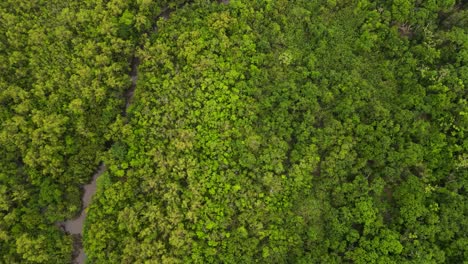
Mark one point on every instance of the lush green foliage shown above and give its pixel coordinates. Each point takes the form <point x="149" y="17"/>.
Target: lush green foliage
<point x="292" y="132"/>
<point x="261" y="131"/>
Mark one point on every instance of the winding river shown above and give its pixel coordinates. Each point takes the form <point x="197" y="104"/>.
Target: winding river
<point x="75" y="226"/>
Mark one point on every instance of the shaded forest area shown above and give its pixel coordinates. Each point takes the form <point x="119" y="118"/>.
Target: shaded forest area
<point x="264" y="131"/>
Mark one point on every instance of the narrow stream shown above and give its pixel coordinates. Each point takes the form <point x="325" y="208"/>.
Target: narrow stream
<point x="75" y="226"/>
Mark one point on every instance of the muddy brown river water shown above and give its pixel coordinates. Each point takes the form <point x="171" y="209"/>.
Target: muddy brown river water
<point x="75" y="226"/>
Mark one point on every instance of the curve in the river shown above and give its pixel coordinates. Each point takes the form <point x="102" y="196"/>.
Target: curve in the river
<point x="75" y="226"/>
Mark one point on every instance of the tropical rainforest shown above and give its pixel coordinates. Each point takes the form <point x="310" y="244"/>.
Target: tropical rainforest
<point x="241" y="131"/>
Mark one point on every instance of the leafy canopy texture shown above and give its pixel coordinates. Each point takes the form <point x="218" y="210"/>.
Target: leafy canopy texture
<point x="262" y="131"/>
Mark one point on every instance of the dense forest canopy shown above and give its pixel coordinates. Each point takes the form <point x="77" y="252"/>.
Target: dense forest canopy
<point x="264" y="131"/>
